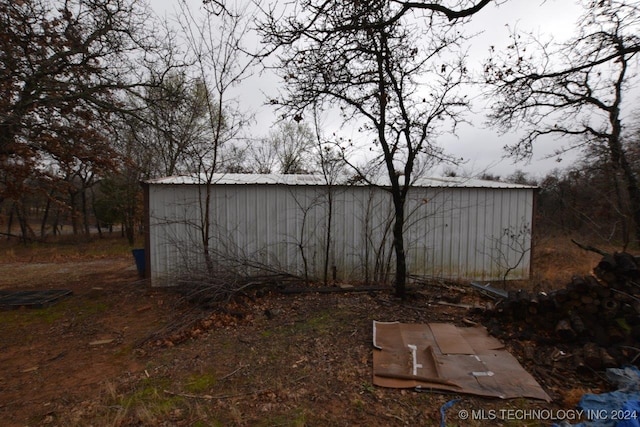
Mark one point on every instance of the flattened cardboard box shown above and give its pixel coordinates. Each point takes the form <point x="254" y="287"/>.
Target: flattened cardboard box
<point x="442" y="356"/>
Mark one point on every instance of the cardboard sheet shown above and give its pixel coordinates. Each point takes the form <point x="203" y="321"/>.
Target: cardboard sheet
<point x="442" y="356"/>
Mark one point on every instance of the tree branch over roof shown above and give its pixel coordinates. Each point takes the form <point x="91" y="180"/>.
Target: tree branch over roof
<point x="399" y="81"/>
<point x="450" y="12"/>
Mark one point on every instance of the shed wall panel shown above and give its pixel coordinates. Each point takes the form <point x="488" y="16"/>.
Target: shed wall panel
<point x="458" y="233"/>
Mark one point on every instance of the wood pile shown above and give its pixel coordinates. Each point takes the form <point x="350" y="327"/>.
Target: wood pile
<point x="598" y="316"/>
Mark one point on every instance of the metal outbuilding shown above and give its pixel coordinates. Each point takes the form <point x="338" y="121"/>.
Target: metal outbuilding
<point x="456" y="228"/>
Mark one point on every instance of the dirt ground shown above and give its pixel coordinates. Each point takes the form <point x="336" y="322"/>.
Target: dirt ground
<point x="119" y="353"/>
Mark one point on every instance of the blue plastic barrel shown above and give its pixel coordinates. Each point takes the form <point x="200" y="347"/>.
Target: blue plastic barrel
<point x="138" y="255"/>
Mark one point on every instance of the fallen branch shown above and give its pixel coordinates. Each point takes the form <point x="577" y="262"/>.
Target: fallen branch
<point x="590" y="248"/>
<point x="625" y="294"/>
<point x="431" y="282"/>
<point x="450" y="304"/>
<point x="230" y="374"/>
<point x="332" y="290"/>
<point x="637" y="350"/>
<point x="209" y="397"/>
<point x="25" y="238"/>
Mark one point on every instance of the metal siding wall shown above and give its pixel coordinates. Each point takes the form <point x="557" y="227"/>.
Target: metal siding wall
<point x="460" y="232"/>
<point x="463" y="233"/>
<point x="511" y="236"/>
<point x="168" y="234"/>
<point x="453" y="233"/>
<point x="473" y="220"/>
<point x="346" y="235"/>
<point x="493" y="232"/>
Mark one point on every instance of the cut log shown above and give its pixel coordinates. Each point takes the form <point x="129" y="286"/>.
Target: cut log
<point x="578" y="284"/>
<point x="590" y="309"/>
<point x="564" y="330"/>
<point x="608" y="361"/>
<point x="546" y="303"/>
<point x="577" y="324"/>
<point x="587" y="299"/>
<point x="626" y="265"/>
<point x="610" y="305"/>
<point x="529" y="352"/>
<point x="578" y="363"/>
<point x="592" y="356"/>
<point x="561" y="296"/>
<point x="615" y="334"/>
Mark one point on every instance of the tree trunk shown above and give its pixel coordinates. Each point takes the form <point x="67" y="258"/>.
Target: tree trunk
<point x="206" y="226"/>
<point x="10" y="220"/>
<point x="74" y="212"/>
<point x="327" y="249"/>
<point x="85" y="213"/>
<point x="619" y="160"/>
<point x="56" y="219"/>
<point x="45" y="218"/>
<point x="618" y="154"/>
<point x="129" y="231"/>
<point x="620" y="200"/>
<point x="95" y="214"/>
<point x="23" y="220"/>
<point x="634" y="196"/>
<point x="129" y="222"/>
<point x="398" y="246"/>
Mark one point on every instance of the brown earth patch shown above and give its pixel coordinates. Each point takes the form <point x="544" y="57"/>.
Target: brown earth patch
<point x="120" y="353"/>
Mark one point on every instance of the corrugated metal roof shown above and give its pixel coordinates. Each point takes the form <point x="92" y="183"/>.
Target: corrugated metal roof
<point x="292" y="179"/>
<point x="465" y="183"/>
<point x="242" y="178"/>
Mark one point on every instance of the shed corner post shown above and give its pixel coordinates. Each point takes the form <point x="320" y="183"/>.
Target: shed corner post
<point x="534" y="208"/>
<point x="146" y="223"/>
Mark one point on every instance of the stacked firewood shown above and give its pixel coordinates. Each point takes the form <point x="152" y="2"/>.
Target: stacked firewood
<point x="598" y="315"/>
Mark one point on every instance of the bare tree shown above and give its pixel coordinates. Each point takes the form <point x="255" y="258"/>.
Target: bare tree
<point x="173" y="124"/>
<point x="331" y="168"/>
<point x="215" y="44"/>
<point x="575" y="90"/>
<point x="65" y="62"/>
<point x="67" y="70"/>
<point x="261" y="157"/>
<point x="290" y="148"/>
<point x="386" y="74"/>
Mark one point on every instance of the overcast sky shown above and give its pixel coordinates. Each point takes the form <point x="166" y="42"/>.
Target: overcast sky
<point x="480" y="146"/>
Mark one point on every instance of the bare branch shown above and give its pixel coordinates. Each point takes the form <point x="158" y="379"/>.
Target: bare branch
<point x="364" y="61"/>
<point x="575" y="90"/>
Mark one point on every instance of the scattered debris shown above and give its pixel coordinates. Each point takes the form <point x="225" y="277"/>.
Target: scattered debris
<point x="442" y="356"/>
<point x="617" y="408"/>
<point x="490" y="290"/>
<point x="443" y="411"/>
<point x="579" y="331"/>
<point x="101" y="342"/>
<point x="341" y="288"/>
<point x="599" y="316"/>
<point x="209" y="397"/>
<point x="31" y="299"/>
<point x="144" y="308"/>
<point x="217" y="288"/>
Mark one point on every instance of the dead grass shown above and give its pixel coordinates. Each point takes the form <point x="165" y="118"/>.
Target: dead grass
<point x="64" y="249"/>
<point x="282" y="360"/>
<point x="556" y="260"/>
